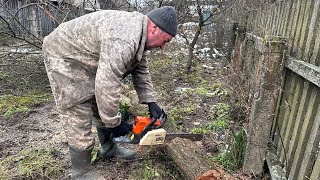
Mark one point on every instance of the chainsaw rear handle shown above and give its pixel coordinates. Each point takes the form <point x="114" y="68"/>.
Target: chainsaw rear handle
<point x="135" y="138"/>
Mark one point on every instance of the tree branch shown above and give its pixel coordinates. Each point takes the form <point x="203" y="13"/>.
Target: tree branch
<point x="17" y="20"/>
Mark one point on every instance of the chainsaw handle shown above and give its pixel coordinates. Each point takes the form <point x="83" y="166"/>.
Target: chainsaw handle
<point x="163" y="119"/>
<point x="135" y="138"/>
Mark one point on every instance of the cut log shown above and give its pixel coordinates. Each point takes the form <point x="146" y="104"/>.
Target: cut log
<point x="189" y="158"/>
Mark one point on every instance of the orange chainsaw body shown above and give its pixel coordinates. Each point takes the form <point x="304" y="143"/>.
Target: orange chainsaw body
<point x="141" y="122"/>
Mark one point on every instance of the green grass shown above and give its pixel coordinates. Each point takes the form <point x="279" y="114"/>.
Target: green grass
<point x="219" y="120"/>
<point x="176" y="114"/>
<point x="217" y="125"/>
<point x="232" y="156"/>
<point x="123" y="106"/>
<point x="30" y="164"/>
<point x="210" y="90"/>
<point x="11" y="104"/>
<point x="145" y="172"/>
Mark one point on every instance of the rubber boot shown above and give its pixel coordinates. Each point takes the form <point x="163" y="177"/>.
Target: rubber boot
<point x="81" y="164"/>
<point x="109" y="149"/>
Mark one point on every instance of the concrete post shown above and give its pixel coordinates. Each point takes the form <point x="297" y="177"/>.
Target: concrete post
<point x="268" y="81"/>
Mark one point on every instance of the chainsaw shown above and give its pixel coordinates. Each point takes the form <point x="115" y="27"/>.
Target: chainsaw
<point x="149" y="131"/>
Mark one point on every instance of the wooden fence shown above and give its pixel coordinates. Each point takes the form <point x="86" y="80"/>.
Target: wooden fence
<point x="28" y="17"/>
<point x="293" y="144"/>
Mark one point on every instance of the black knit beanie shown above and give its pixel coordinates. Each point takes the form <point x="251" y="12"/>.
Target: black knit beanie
<point x="165" y="18"/>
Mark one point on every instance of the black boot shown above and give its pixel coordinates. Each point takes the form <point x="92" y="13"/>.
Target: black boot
<point x="81" y="164"/>
<point x="109" y="149"/>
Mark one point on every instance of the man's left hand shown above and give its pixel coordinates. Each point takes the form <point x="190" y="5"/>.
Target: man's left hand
<point x="154" y="110"/>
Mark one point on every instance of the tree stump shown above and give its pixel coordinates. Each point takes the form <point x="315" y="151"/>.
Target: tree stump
<point x="189" y="158"/>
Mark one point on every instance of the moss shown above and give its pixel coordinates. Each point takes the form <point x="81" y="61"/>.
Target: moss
<point x="11" y="104"/>
<point x="3" y="172"/>
<point x="163" y="63"/>
<point x="29" y="164"/>
<point x="3" y="75"/>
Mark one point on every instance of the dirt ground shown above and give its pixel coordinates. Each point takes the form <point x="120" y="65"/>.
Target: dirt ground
<point x="41" y="128"/>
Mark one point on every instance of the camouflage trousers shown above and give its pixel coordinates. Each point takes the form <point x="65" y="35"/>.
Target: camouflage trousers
<point x="77" y="122"/>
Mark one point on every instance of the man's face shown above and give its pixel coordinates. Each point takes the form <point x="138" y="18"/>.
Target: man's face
<point x="157" y="38"/>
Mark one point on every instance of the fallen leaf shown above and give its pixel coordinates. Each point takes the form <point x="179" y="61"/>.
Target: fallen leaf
<point x="212" y="175"/>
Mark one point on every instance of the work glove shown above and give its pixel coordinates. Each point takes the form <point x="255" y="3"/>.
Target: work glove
<point x="154" y="110"/>
<point x="123" y="129"/>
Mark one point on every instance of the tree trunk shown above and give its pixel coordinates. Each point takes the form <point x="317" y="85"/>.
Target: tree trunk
<point x="189" y="158"/>
<point x="191" y="48"/>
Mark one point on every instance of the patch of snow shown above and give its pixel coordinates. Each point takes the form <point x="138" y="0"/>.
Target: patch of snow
<point x="20" y="50"/>
<point x="196" y="123"/>
<point x="217" y="53"/>
<point x="182" y="89"/>
<point x="207" y="67"/>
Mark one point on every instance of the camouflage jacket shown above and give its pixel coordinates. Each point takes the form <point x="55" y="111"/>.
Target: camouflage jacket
<point x="89" y="55"/>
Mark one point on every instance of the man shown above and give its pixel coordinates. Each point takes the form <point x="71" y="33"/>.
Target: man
<point x="86" y="58"/>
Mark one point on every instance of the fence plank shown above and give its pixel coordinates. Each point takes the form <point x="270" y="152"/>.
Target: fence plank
<point x="286" y="114"/>
<point x="281" y="18"/>
<point x="305" y="24"/>
<point x="277" y="18"/>
<point x="298" y="122"/>
<point x="269" y="22"/>
<point x="316" y="170"/>
<point x="304" y="69"/>
<point x="287" y="28"/>
<point x="291" y="117"/>
<point x="312" y="148"/>
<point x="296" y="9"/>
<point x="311" y="30"/>
<point x="295" y="48"/>
<point x="260" y="22"/>
<point x="249" y="22"/>
<point x="280" y="107"/>
<point x="304" y="134"/>
<point x="274" y="18"/>
<point x="316" y="46"/>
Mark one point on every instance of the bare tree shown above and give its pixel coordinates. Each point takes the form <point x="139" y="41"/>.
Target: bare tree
<point x="31" y="20"/>
<point x="203" y="13"/>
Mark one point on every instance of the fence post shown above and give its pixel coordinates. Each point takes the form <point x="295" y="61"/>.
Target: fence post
<point x="238" y="37"/>
<point x="268" y="81"/>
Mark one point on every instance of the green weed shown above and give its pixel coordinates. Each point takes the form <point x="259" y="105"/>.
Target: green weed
<point x="3" y="75"/>
<point x="220" y="119"/>
<point x="3" y="172"/>
<point x="123" y="106"/>
<point x="232" y="157"/>
<point x="10" y="104"/>
<point x="29" y="164"/>
<point x="217" y="125"/>
<point x="209" y="90"/>
<point x="145" y="172"/>
<point x="200" y="130"/>
<point x="176" y="114"/>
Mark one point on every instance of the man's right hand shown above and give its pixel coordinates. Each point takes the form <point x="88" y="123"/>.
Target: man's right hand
<point x="123" y="129"/>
